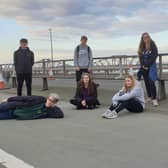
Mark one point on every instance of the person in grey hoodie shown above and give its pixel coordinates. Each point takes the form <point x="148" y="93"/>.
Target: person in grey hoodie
<point x="130" y="97"/>
<point x="83" y="60"/>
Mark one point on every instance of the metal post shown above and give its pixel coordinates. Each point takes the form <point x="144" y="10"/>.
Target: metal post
<point x="51" y="41"/>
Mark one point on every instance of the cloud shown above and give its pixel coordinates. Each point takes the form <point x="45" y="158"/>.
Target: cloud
<point x="98" y="19"/>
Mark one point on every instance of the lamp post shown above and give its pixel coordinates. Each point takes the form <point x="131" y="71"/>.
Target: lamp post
<point x="51" y="41"/>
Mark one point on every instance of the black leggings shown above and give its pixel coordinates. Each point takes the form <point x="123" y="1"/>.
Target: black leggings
<point x="150" y="85"/>
<point x="91" y="104"/>
<point x="132" y="105"/>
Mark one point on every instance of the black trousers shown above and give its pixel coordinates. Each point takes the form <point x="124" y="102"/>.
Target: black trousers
<point x="27" y="77"/>
<point x="79" y="74"/>
<point x="149" y="84"/>
<point x="132" y="105"/>
<point x="91" y="104"/>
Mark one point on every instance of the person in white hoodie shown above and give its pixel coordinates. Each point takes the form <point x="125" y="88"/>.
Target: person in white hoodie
<point x="130" y="97"/>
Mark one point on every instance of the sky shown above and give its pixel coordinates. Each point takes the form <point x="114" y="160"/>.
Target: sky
<point x="112" y="26"/>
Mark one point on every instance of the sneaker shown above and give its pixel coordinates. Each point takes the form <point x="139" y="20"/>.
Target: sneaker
<point x="155" y="102"/>
<point x="106" y="113"/>
<point x="111" y="115"/>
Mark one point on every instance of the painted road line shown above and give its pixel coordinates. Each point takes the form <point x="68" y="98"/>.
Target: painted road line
<point x="9" y="161"/>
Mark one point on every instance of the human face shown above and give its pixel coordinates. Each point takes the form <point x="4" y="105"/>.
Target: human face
<point x="128" y="82"/>
<point x="86" y="79"/>
<point x="83" y="41"/>
<point x="146" y="38"/>
<point x="49" y="102"/>
<point x="23" y="45"/>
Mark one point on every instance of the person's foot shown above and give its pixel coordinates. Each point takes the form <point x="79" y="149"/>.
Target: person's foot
<point x="155" y="102"/>
<point x="107" y="112"/>
<point x="112" y="115"/>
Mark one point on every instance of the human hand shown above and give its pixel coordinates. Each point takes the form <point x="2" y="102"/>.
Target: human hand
<point x="77" y="69"/>
<point x="146" y="68"/>
<point x="90" y="70"/>
<point x="83" y="102"/>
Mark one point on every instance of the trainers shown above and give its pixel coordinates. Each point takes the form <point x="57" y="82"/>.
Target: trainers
<point x="155" y="102"/>
<point x="106" y="113"/>
<point x="111" y="115"/>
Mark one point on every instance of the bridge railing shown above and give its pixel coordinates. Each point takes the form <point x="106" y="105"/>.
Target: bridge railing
<point x="116" y="66"/>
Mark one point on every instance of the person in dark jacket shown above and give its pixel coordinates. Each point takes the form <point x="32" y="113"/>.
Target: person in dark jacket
<point x="86" y="94"/>
<point x="48" y="106"/>
<point x="23" y="62"/>
<point x="148" y="53"/>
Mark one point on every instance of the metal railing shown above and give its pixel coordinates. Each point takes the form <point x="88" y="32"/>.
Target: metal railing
<point x="112" y="67"/>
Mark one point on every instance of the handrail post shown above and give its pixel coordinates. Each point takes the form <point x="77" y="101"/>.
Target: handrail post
<point x="44" y="66"/>
<point x="64" y="67"/>
<point x="160" y="67"/>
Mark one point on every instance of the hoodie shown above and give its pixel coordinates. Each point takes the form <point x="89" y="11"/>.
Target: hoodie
<point x="137" y="93"/>
<point x="83" y="57"/>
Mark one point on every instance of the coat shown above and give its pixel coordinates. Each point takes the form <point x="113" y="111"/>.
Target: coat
<point x="23" y="60"/>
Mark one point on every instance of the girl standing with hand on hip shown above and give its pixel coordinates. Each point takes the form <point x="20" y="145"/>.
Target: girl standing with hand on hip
<point x="148" y="53"/>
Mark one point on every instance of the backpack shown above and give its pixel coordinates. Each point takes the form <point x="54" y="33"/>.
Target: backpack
<point x="30" y="113"/>
<point x="78" y="49"/>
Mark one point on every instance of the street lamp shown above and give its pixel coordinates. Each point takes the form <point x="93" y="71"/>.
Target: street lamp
<point x="51" y="40"/>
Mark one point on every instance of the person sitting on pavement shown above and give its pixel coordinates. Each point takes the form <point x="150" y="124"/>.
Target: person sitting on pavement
<point x="31" y="107"/>
<point x="86" y="94"/>
<point x="130" y="97"/>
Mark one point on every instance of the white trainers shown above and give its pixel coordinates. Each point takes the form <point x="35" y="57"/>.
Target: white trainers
<point x="112" y="115"/>
<point x="106" y="113"/>
<point x="155" y="102"/>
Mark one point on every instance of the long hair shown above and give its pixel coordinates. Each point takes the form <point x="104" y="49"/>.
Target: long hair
<point x="90" y="84"/>
<point x="132" y="78"/>
<point x="143" y="46"/>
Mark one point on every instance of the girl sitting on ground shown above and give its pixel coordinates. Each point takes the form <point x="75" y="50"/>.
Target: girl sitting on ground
<point x="86" y="94"/>
<point x="130" y="97"/>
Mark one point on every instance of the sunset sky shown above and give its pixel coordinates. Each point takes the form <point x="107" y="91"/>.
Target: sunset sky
<point x="113" y="26"/>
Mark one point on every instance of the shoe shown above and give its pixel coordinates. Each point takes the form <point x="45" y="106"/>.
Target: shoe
<point x="111" y="115"/>
<point x="106" y="113"/>
<point x="155" y="102"/>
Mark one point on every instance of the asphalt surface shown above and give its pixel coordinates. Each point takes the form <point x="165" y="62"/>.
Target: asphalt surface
<point x="84" y="139"/>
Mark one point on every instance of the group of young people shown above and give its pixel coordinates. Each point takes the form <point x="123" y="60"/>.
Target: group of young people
<point x="130" y="97"/>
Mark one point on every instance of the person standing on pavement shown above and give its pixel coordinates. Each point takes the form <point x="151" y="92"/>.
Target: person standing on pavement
<point x="23" y="62"/>
<point x="148" y="54"/>
<point x="83" y="60"/>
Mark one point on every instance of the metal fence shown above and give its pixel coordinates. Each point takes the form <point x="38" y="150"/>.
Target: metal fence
<point x="112" y="67"/>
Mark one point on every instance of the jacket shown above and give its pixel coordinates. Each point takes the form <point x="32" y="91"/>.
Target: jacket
<point x="79" y="92"/>
<point x="25" y="102"/>
<point x="23" y="60"/>
<point x="21" y="102"/>
<point x="148" y="59"/>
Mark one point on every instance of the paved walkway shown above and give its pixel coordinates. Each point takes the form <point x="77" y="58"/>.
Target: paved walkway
<point x="83" y="139"/>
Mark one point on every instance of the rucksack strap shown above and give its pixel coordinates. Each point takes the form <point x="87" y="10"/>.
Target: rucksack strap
<point x="78" y="49"/>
